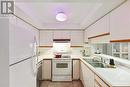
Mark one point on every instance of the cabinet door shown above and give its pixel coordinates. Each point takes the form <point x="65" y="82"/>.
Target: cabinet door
<point x="87" y="76"/>
<point x="46" y="38"/>
<point x="100" y="27"/>
<point x="46" y="70"/>
<point x="99" y="82"/>
<point x="120" y="22"/>
<point x="61" y="35"/>
<point x="75" y="69"/>
<point x="77" y="38"/>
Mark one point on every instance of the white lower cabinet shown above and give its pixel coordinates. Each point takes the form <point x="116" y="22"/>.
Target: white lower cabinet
<point x="89" y="78"/>
<point x="76" y="66"/>
<point x="86" y="76"/>
<point x="99" y="82"/>
<point x="46" y="69"/>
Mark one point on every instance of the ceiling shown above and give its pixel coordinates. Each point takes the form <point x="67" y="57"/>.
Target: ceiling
<point x="80" y="13"/>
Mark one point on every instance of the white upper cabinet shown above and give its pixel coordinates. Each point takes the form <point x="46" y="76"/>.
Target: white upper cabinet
<point x="120" y="22"/>
<point x="61" y="35"/>
<point x="46" y="38"/>
<point x="100" y="27"/>
<point x="77" y="38"/>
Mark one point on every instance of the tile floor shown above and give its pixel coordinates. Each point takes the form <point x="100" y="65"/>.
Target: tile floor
<point x="61" y="84"/>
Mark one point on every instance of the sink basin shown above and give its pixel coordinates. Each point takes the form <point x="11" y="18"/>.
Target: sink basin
<point x="91" y="60"/>
<point x="100" y="65"/>
<point x="95" y="63"/>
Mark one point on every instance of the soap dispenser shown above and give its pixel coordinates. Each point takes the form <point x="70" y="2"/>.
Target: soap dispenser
<point x="112" y="62"/>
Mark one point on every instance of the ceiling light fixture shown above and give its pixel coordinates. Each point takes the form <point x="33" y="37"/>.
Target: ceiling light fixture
<point x="61" y="16"/>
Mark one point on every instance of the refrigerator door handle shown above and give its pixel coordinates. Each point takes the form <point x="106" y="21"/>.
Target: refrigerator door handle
<point x="34" y="66"/>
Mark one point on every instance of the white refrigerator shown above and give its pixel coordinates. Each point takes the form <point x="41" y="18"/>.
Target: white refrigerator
<point x="22" y="62"/>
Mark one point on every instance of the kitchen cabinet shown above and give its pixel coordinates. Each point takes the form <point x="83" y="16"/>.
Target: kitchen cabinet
<point x="120" y="50"/>
<point x="77" y="38"/>
<point x="76" y="67"/>
<point x="120" y="22"/>
<point x="100" y="39"/>
<point x="99" y="28"/>
<point x="99" y="83"/>
<point x="61" y="35"/>
<point x="46" y="69"/>
<point x="87" y="76"/>
<point x="46" y="38"/>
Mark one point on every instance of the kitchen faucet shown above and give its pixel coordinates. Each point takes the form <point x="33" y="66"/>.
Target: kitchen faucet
<point x="99" y="58"/>
<point x="103" y="60"/>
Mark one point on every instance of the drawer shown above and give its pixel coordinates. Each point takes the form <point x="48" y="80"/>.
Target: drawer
<point x="99" y="82"/>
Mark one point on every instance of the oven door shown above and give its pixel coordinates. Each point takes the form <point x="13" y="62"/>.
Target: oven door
<point x="62" y="67"/>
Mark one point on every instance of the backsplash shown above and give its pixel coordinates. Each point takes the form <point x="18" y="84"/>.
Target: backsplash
<point x="118" y="61"/>
<point x="48" y="51"/>
<point x="119" y="50"/>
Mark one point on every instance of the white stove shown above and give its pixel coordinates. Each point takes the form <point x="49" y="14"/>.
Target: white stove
<point x="62" y="69"/>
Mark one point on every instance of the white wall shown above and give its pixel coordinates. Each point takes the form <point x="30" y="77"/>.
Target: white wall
<point x="4" y="52"/>
<point x="75" y="52"/>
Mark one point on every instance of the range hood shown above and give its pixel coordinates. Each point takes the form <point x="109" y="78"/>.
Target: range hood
<point x="61" y="40"/>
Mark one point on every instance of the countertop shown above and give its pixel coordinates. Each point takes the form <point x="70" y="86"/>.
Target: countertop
<point x="41" y="57"/>
<point x="114" y="77"/>
<point x="123" y="61"/>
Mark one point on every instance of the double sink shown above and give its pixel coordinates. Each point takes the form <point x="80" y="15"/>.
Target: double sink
<point x="96" y="63"/>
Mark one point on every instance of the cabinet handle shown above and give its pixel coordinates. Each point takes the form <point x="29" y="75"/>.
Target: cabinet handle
<point x="98" y="83"/>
